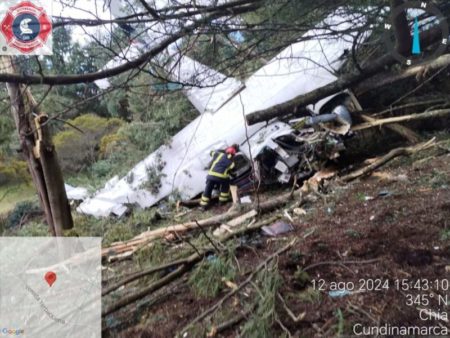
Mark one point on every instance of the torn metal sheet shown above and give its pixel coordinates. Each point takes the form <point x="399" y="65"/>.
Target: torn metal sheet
<point x="76" y="194"/>
<point x="278" y="228"/>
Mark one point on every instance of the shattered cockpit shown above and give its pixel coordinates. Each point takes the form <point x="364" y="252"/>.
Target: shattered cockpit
<point x="286" y="155"/>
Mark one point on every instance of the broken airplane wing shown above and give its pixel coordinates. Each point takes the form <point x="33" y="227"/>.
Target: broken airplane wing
<point x="298" y="69"/>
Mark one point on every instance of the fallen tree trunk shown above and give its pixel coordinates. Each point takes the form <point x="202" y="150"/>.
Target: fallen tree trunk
<point x="320" y="93"/>
<point x="188" y="264"/>
<point x="387" y="78"/>
<point x="139" y="241"/>
<point x="260" y="266"/>
<point x="345" y="81"/>
<point x="226" y="237"/>
<point x="131" y="246"/>
<point x="151" y="288"/>
<point x="404" y="151"/>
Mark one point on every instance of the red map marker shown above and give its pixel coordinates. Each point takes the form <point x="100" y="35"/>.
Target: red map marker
<point x="50" y="277"/>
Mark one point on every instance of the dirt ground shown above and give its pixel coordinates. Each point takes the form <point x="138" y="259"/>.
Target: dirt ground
<point x="371" y="240"/>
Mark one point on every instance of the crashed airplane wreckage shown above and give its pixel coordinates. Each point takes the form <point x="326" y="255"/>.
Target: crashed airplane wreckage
<point x="279" y="150"/>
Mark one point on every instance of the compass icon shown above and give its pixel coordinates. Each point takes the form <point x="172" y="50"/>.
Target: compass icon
<point x="421" y="16"/>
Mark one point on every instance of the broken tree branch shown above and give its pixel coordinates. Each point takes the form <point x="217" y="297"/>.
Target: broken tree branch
<point x="180" y="271"/>
<point x="262" y="265"/>
<point x="406" y="118"/>
<point x="415" y="104"/>
<point x="138" y="275"/>
<point x="405" y="151"/>
<point x="231" y="322"/>
<point x="294" y="318"/>
<point x="368" y="261"/>
<point x="128" y="299"/>
<point x="127" y="248"/>
<point x="407" y="133"/>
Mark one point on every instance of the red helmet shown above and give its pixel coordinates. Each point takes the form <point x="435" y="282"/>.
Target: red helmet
<point x="231" y="151"/>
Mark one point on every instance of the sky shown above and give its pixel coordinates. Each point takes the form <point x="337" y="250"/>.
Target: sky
<point x="82" y="9"/>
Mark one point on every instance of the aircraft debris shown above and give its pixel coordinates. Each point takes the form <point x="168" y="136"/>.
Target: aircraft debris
<point x="278" y="228"/>
<point x="278" y="151"/>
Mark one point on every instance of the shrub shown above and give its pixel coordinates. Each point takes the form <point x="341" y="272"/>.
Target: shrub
<point x="101" y="168"/>
<point x="145" y="136"/>
<point x="207" y="279"/>
<point x="108" y="143"/>
<point x="14" y="171"/>
<point x="262" y="319"/>
<point x="118" y="232"/>
<point x="33" y="229"/>
<point x="21" y="209"/>
<point x="154" y="175"/>
<point x="76" y="150"/>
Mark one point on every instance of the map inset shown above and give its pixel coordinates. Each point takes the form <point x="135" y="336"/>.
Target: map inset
<point x="50" y="287"/>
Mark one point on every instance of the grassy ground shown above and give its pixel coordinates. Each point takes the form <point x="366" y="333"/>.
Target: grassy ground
<point x="396" y="221"/>
<point x="394" y="225"/>
<point x="10" y="195"/>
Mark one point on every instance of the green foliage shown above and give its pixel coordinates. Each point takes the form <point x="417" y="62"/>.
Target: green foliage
<point x="21" y="209"/>
<point x="445" y="235"/>
<point x="110" y="228"/>
<point x="76" y="150"/>
<point x="108" y="143"/>
<point x="11" y="194"/>
<point x="301" y="277"/>
<point x="352" y="233"/>
<point x="101" y="169"/>
<point x="3" y="220"/>
<point x="118" y="232"/>
<point x="13" y="171"/>
<point x="6" y="126"/>
<point x="145" y="217"/>
<point x="341" y="323"/>
<point x="310" y="295"/>
<point x="440" y="179"/>
<point x="154" y="176"/>
<point x="111" y="147"/>
<point x="260" y="323"/>
<point x="152" y="255"/>
<point x="144" y="136"/>
<point x="207" y="278"/>
<point x="33" y="229"/>
<point x="69" y="57"/>
<point x="89" y="226"/>
<point x="113" y="229"/>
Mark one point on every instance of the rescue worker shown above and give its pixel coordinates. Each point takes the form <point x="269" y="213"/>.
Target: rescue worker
<point x="219" y="175"/>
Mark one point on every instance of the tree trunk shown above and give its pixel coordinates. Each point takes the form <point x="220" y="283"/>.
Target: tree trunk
<point x="39" y="152"/>
<point x="345" y="81"/>
<point x="401" y="30"/>
<point x="389" y="78"/>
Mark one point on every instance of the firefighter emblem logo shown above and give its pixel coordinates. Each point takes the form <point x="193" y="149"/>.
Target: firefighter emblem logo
<point x="26" y="27"/>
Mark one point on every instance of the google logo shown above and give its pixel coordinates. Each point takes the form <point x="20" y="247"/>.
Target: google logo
<point x="12" y="332"/>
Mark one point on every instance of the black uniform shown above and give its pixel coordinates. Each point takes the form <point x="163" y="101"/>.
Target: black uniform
<point x="218" y="177"/>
